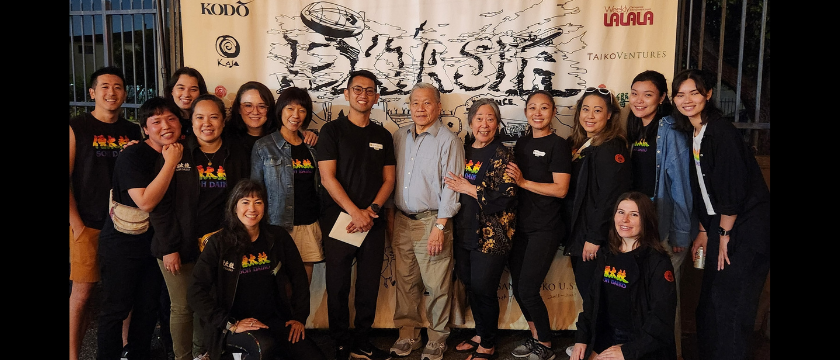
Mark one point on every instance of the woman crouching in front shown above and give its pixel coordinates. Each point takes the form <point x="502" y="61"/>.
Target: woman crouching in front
<point x="239" y="286"/>
<point x="630" y="308"/>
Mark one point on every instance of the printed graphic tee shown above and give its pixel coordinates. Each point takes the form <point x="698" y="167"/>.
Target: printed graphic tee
<point x="620" y="273"/>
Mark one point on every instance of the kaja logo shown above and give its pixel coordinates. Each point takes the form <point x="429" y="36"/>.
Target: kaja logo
<point x="239" y="9"/>
<point x="227" y="47"/>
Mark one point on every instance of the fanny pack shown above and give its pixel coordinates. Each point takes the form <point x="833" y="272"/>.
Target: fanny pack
<point x="127" y="219"/>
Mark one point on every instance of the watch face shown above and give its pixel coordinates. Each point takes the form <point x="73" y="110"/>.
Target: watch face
<point x="374" y="207"/>
<point x="439" y="226"/>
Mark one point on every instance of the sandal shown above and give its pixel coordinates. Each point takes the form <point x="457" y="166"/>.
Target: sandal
<point x="478" y="355"/>
<point x="473" y="346"/>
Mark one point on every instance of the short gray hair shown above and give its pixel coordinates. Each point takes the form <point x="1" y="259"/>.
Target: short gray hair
<point x="422" y="85"/>
<point x="481" y="102"/>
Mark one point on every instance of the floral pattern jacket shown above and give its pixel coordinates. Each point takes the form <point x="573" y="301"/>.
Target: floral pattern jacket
<point x="496" y="196"/>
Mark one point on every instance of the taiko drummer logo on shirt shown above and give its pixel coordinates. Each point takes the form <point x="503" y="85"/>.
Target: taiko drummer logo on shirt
<point x="669" y="275"/>
<point x="619" y="158"/>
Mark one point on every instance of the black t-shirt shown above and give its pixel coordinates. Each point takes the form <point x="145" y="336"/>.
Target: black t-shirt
<point x="306" y="208"/>
<point x="643" y="159"/>
<point x="97" y="146"/>
<point x="213" y="190"/>
<point x="477" y="163"/>
<point x="135" y="168"/>
<point x="361" y="154"/>
<point x="257" y="286"/>
<point x="539" y="159"/>
<point x="620" y="273"/>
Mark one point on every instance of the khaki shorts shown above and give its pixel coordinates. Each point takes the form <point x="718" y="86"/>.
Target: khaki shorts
<point x="308" y="241"/>
<point x="84" y="266"/>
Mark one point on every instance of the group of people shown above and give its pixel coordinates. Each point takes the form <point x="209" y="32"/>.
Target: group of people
<point x="242" y="206"/>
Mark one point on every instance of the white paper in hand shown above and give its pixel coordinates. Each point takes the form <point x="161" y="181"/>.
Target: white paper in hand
<point x="339" y="231"/>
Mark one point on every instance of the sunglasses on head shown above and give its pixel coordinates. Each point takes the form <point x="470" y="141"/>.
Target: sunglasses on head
<point x="603" y="91"/>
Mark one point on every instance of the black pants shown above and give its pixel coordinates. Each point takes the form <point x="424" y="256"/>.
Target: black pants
<point x="272" y="343"/>
<point x="728" y="301"/>
<point x="340" y="257"/>
<point x="530" y="259"/>
<point x="128" y="285"/>
<point x="584" y="270"/>
<point x="480" y="274"/>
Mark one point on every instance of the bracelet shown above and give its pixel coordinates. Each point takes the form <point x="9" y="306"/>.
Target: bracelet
<point x="233" y="328"/>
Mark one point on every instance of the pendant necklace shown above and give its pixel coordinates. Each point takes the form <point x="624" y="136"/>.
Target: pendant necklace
<point x="209" y="159"/>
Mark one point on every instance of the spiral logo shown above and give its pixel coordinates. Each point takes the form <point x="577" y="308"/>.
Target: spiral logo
<point x="227" y="46"/>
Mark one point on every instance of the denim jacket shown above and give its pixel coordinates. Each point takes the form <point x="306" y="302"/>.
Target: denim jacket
<point x="271" y="165"/>
<point x="673" y="186"/>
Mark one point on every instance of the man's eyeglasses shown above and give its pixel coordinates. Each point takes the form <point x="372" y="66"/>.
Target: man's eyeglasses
<point x="358" y="90"/>
<point x="603" y="91"/>
<point x="250" y="107"/>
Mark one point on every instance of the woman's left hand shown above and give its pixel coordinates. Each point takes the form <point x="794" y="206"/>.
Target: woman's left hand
<point x="723" y="252"/>
<point x="296" y="333"/>
<point x="513" y="171"/>
<point x="310" y="138"/>
<point x="590" y="251"/>
<point x="611" y="353"/>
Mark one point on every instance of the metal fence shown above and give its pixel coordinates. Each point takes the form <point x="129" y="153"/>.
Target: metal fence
<point x="731" y="39"/>
<point x="122" y="33"/>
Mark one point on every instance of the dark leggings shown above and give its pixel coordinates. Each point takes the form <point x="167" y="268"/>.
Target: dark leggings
<point x="530" y="259"/>
<point x="584" y="270"/>
<point x="480" y="274"/>
<point x="271" y="344"/>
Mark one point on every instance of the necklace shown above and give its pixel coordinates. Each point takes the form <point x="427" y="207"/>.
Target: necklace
<point x="209" y="159"/>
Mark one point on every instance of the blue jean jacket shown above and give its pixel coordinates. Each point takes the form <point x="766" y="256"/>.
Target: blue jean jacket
<point x="673" y="186"/>
<point x="271" y="165"/>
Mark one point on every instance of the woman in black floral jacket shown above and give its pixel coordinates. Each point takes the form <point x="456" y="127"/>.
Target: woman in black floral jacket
<point x="485" y="224"/>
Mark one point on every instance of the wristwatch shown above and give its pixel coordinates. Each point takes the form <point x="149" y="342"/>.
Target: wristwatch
<point x="375" y="207"/>
<point x="724" y="232"/>
<point x="439" y="226"/>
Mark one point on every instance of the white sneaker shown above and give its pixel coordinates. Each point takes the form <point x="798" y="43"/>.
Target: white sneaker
<point x="205" y="356"/>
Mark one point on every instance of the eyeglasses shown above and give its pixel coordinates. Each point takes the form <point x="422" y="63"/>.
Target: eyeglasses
<point x="358" y="90"/>
<point x="250" y="107"/>
<point x="603" y="91"/>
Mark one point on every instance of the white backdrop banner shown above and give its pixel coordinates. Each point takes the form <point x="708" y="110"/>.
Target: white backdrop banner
<point x="502" y="49"/>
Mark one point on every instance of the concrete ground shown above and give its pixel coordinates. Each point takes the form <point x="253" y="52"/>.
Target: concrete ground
<point x="508" y="339"/>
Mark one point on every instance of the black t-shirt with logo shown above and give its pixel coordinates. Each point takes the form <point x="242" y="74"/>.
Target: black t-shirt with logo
<point x="257" y="286"/>
<point x="643" y="159"/>
<point x="539" y="159"/>
<point x="620" y="273"/>
<point x="213" y="190"/>
<point x="477" y="164"/>
<point x="97" y="146"/>
<point x="306" y="206"/>
<point x="361" y="153"/>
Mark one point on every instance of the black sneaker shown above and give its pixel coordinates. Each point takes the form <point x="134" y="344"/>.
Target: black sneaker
<point x="369" y="352"/>
<point x="541" y="352"/>
<point x="524" y="349"/>
<point x="342" y="353"/>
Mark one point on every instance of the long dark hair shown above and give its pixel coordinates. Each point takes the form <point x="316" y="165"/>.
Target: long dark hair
<point x="705" y="83"/>
<point x="202" y="85"/>
<point x="649" y="234"/>
<point x="236" y="121"/>
<point x="634" y="123"/>
<point x="233" y="232"/>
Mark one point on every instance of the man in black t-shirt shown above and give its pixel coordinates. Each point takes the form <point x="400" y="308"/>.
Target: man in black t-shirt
<point x="357" y="165"/>
<point x="96" y="138"/>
